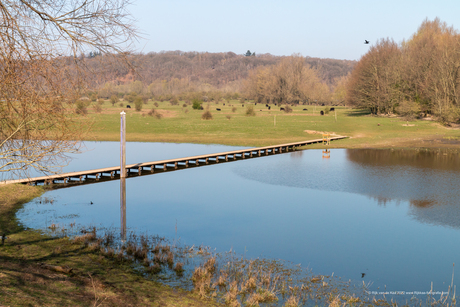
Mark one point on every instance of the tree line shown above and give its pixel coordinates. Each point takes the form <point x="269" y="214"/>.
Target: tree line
<point x="418" y="77"/>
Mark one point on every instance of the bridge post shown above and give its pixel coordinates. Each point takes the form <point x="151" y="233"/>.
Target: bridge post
<point x="123" y="144"/>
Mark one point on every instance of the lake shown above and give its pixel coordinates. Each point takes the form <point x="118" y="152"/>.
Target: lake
<point x="390" y="218"/>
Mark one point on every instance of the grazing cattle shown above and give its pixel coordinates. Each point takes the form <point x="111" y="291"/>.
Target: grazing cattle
<point x="266" y="105"/>
<point x="218" y="109"/>
<point x="305" y="109"/>
<point x="255" y="103"/>
<point x="332" y="109"/>
<point x="224" y="103"/>
<point x="322" y="104"/>
<point x="322" y="112"/>
<point x="269" y="107"/>
<point x="281" y="109"/>
<point x="242" y="105"/>
<point x="128" y="106"/>
<point x="201" y="108"/>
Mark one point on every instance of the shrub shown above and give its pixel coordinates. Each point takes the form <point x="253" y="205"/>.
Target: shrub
<point x="174" y="101"/>
<point x="326" y="110"/>
<point x="250" y="111"/>
<point x="100" y="101"/>
<point x="287" y="109"/>
<point x="156" y="104"/>
<point x="120" y="104"/>
<point x="206" y="115"/>
<point x="196" y="104"/>
<point x="145" y="99"/>
<point x="97" y="108"/>
<point x="234" y="109"/>
<point x="184" y="105"/>
<point x="81" y="108"/>
<point x="94" y="97"/>
<point x="114" y="99"/>
<point x="138" y="103"/>
<point x="228" y="116"/>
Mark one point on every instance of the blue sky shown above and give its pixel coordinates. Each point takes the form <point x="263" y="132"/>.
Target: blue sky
<point x="325" y="29"/>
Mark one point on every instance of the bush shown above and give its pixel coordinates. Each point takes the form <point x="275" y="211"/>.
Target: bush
<point x="145" y="99"/>
<point x="81" y="108"/>
<point x="184" y="105"/>
<point x="250" y="111"/>
<point x="206" y="115"/>
<point x="153" y="112"/>
<point x="156" y="104"/>
<point x="234" y="109"/>
<point x="228" y="116"/>
<point x="120" y="104"/>
<point x="287" y="109"/>
<point x="196" y="104"/>
<point x="326" y="110"/>
<point x="174" y="101"/>
<point x="97" y="108"/>
<point x="138" y="103"/>
<point x="114" y="99"/>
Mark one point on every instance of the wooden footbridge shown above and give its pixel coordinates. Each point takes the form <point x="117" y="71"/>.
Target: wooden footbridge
<point x="147" y="168"/>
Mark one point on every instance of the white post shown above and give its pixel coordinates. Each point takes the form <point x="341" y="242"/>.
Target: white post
<point x="123" y="144"/>
<point x="123" y="175"/>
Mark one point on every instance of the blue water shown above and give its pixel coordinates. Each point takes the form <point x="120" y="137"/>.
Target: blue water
<point x="397" y="222"/>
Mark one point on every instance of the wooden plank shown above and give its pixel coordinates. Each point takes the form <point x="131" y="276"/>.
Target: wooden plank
<point x="139" y="166"/>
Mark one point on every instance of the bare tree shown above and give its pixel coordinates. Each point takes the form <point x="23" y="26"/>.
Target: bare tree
<point x="289" y="81"/>
<point x="42" y="70"/>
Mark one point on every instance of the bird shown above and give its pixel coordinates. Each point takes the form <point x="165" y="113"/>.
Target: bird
<point x="90" y="202"/>
<point x="363" y="274"/>
<point x="366" y="41"/>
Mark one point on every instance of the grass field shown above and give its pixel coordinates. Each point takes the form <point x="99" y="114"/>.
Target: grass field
<point x="268" y="127"/>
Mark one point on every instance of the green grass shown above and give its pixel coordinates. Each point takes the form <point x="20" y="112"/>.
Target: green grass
<point x="177" y="125"/>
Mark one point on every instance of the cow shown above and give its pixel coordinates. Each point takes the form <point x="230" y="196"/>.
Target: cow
<point x="332" y="109"/>
<point x="218" y="109"/>
<point x="269" y="107"/>
<point x="305" y="110"/>
<point x="322" y="112"/>
<point x="281" y="109"/>
<point x="128" y="106"/>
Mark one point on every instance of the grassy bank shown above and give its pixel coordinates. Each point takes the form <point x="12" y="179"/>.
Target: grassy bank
<point x="38" y="270"/>
<point x="231" y="126"/>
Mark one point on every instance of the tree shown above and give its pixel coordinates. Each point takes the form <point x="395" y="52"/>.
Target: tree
<point x="289" y="81"/>
<point x="375" y="81"/>
<point x="42" y="67"/>
<point x="248" y="53"/>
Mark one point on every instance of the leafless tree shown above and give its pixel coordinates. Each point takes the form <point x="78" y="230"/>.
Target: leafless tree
<point x="42" y="70"/>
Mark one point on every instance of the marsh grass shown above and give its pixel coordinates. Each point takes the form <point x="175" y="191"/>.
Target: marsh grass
<point x="227" y="277"/>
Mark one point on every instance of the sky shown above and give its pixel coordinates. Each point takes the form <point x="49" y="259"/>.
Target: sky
<point x="326" y="29"/>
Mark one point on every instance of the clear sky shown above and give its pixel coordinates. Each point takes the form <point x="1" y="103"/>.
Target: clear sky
<point x="326" y="29"/>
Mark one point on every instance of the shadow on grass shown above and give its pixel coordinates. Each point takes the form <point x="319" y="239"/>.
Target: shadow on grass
<point x="358" y="112"/>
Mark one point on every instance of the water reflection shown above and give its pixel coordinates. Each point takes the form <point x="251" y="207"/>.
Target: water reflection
<point x="123" y="209"/>
<point x="427" y="180"/>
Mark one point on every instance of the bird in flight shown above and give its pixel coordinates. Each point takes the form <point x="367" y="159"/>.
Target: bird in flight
<point x="366" y="41"/>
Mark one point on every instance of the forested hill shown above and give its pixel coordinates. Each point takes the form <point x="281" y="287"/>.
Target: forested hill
<point x="216" y="69"/>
